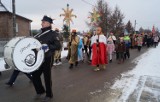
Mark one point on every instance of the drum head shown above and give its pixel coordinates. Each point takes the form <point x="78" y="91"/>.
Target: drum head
<point x="28" y="55"/>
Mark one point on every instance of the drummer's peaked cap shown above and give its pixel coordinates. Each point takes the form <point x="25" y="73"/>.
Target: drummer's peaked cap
<point x="48" y="19"/>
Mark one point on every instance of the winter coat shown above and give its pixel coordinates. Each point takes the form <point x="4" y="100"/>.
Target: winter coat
<point x="74" y="49"/>
<point x="127" y="41"/>
<point x="85" y="41"/>
<point x="121" y="47"/>
<point x="49" y="37"/>
<point x="110" y="46"/>
<point x="113" y="38"/>
<point x="139" y="41"/>
<point x="80" y="47"/>
<point x="156" y="39"/>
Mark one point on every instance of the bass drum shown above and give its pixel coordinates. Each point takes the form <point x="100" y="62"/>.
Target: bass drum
<point x="24" y="53"/>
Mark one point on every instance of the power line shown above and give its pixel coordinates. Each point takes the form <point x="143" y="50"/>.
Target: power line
<point x="88" y="3"/>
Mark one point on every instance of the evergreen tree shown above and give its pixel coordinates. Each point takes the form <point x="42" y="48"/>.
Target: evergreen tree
<point x="105" y="13"/>
<point x="116" y="22"/>
<point x="141" y="30"/>
<point x="129" y="27"/>
<point x="34" y="32"/>
<point x="65" y="31"/>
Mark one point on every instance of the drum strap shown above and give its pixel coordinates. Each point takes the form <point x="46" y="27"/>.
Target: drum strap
<point x="40" y="34"/>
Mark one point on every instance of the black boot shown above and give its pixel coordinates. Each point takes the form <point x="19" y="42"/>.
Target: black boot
<point x="71" y="66"/>
<point x="76" y="64"/>
<point x="110" y="61"/>
<point x="9" y="84"/>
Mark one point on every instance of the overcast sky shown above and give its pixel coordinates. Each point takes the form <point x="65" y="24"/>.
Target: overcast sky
<point x="145" y="12"/>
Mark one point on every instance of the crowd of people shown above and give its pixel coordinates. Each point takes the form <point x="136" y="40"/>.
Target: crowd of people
<point x="97" y="49"/>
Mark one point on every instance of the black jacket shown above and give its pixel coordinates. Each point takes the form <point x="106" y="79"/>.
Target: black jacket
<point x="49" y="37"/>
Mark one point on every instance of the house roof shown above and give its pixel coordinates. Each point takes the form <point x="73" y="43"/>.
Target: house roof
<point x="3" y="9"/>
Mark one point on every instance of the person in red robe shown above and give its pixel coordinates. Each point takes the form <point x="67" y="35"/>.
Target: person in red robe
<point x="99" y="50"/>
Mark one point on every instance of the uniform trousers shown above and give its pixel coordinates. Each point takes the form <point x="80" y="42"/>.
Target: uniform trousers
<point x="15" y="74"/>
<point x="46" y="70"/>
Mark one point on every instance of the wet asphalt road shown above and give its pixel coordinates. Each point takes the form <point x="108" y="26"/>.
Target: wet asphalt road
<point x="81" y="84"/>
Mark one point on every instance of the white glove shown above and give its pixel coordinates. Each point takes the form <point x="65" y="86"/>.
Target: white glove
<point x="45" y="47"/>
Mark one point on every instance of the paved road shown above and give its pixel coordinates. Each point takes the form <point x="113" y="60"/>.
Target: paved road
<point x="80" y="84"/>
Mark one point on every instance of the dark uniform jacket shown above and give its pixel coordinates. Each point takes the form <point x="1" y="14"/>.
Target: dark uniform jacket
<point x="49" y="37"/>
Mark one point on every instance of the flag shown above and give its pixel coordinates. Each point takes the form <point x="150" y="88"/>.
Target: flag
<point x="153" y="30"/>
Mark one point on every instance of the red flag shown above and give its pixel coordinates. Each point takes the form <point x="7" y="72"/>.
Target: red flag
<point x="153" y="30"/>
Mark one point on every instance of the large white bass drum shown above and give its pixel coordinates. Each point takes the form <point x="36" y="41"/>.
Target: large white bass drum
<point x="24" y="53"/>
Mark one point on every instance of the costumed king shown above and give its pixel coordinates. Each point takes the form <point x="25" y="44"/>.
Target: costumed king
<point x="99" y="50"/>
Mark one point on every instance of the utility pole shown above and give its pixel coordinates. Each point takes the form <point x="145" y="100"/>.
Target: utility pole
<point x="14" y="18"/>
<point x="135" y="23"/>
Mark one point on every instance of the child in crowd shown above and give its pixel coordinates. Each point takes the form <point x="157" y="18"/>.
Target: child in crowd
<point x="120" y="49"/>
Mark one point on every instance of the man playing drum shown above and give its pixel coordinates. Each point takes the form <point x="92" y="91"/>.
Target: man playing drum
<point x="50" y="43"/>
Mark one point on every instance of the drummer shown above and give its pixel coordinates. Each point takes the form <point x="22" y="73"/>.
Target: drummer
<point x="50" y="43"/>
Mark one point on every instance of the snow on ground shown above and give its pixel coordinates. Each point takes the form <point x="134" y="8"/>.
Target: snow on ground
<point x="2" y="64"/>
<point x="148" y="64"/>
<point x="64" y="52"/>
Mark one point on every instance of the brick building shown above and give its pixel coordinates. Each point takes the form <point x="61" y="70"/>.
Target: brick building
<point x="23" y="25"/>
